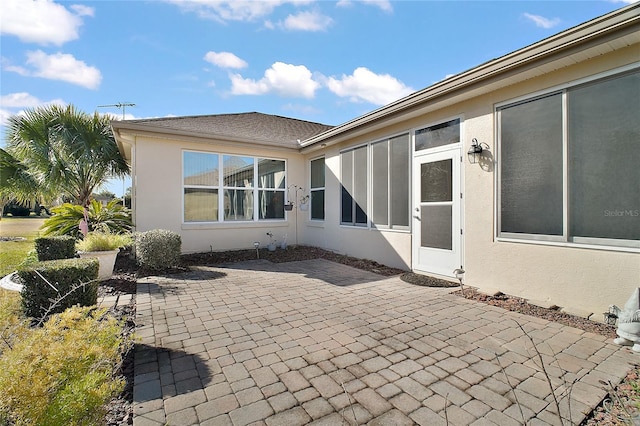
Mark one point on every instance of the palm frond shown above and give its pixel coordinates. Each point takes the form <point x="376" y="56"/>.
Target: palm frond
<point x="65" y="150"/>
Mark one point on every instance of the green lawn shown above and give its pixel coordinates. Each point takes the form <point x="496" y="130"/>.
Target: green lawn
<point x="12" y="253"/>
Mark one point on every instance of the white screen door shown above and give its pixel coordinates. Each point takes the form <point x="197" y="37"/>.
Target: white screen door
<point x="437" y="239"/>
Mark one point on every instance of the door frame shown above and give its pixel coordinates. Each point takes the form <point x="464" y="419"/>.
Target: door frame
<point x="455" y="152"/>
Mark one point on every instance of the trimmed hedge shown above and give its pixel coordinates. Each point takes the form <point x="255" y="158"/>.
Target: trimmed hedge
<point x="158" y="249"/>
<point x="64" y="274"/>
<point x="53" y="248"/>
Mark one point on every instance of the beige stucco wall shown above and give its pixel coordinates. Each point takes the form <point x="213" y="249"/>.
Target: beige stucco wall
<point x="392" y="248"/>
<point x="584" y="280"/>
<point x="579" y="279"/>
<point x="158" y="195"/>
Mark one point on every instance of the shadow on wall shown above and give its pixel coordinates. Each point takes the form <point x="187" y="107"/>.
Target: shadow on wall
<point x="349" y="227"/>
<point x="486" y="161"/>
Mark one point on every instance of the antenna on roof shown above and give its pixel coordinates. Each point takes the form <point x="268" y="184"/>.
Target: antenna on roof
<point x="122" y="105"/>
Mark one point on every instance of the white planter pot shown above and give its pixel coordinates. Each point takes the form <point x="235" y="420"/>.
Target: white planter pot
<point x="107" y="261"/>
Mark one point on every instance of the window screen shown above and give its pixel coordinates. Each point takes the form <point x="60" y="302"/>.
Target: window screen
<point x="317" y="189"/>
<point x="600" y="199"/>
<point x="531" y="174"/>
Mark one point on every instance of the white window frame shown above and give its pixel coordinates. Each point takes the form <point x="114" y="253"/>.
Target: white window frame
<point x="183" y="186"/>
<point x="565" y="240"/>
<point x="317" y="189"/>
<point x="255" y="188"/>
<point x="389" y="225"/>
<point x="353" y="224"/>
<point x="370" y="225"/>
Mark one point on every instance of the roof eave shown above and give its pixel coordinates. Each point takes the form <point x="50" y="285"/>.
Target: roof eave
<point x="567" y="39"/>
<point x="120" y="127"/>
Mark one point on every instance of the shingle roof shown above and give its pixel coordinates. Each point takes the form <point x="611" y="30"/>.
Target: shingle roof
<point x="251" y="127"/>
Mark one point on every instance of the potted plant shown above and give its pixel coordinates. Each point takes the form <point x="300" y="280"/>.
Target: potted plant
<point x="104" y="246"/>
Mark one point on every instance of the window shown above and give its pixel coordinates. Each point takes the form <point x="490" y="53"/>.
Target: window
<point x="200" y="182"/>
<point x="238" y="184"/>
<point x="531" y="171"/>
<point x="387" y="183"/>
<point x="390" y="182"/>
<point x="441" y="134"/>
<point x="245" y="182"/>
<point x="317" y="189"/>
<point x="271" y="192"/>
<point x="569" y="164"/>
<point x="354" y="187"/>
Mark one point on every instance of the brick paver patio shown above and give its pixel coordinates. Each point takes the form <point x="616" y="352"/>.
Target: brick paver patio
<point x="316" y="342"/>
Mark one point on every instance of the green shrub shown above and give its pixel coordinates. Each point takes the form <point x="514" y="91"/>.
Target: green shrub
<point x="66" y="219"/>
<point x="158" y="249"/>
<point x="64" y="372"/>
<point x="57" y="247"/>
<point x="13" y="323"/>
<point x="74" y="280"/>
<point x="103" y="241"/>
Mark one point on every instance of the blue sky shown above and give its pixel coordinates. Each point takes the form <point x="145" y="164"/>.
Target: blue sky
<point x="322" y="61"/>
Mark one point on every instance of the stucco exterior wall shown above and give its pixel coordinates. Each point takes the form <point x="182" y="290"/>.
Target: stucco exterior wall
<point x="392" y="248"/>
<point x="158" y="196"/>
<point x="580" y="279"/>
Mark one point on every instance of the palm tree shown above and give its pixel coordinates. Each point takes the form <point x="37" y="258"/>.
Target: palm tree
<point x="15" y="181"/>
<point x="65" y="151"/>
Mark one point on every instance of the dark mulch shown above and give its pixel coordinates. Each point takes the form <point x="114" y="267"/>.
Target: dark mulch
<point x="517" y="304"/>
<point x="120" y="409"/>
<point x="123" y="282"/>
<point x="425" y="281"/>
<point x="126" y="272"/>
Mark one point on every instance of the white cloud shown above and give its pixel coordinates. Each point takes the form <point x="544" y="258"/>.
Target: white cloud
<point x="60" y="66"/>
<point x="541" y="21"/>
<point x="15" y="103"/>
<point x="4" y="116"/>
<point x="82" y="10"/>
<point x="307" y="21"/>
<point x="365" y="85"/>
<point x="118" y="117"/>
<point x="19" y="100"/>
<point x="225" y="60"/>
<point x="295" y="81"/>
<point x="624" y="1"/>
<point x="8" y="66"/>
<point x="301" y="109"/>
<point x="42" y="21"/>
<point x="233" y="10"/>
<point x="384" y="5"/>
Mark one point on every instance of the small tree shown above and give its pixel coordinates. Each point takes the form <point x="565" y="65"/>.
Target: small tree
<point x="113" y="217"/>
<point x="63" y="151"/>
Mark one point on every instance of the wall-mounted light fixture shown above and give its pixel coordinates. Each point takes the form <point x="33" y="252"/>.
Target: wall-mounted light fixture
<point x="475" y="150"/>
